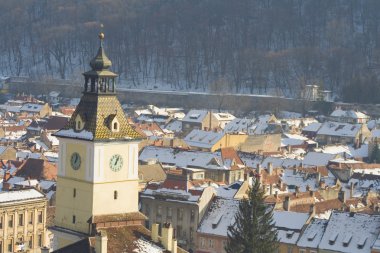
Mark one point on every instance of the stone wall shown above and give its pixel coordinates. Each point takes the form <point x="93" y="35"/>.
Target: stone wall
<point x="233" y="102"/>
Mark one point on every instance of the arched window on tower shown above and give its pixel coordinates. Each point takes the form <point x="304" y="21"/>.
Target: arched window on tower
<point x="115" y="195"/>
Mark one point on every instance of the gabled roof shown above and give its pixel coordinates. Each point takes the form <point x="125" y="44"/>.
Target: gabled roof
<point x="350" y="232"/>
<point x="203" y="139"/>
<point x="313" y="127"/>
<point x="30" y="107"/>
<point x="317" y="159"/>
<point x="219" y="216"/>
<point x="37" y="169"/>
<point x="339" y="129"/>
<point x="195" y="116"/>
<point x="238" y="125"/>
<point x="313" y="233"/>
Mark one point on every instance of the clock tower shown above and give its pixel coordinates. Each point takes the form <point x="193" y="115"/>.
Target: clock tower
<point x="98" y="154"/>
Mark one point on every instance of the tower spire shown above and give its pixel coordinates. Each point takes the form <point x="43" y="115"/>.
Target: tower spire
<point x="100" y="79"/>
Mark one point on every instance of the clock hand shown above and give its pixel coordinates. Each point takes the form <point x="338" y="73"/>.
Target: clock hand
<point x="117" y="159"/>
<point x="76" y="158"/>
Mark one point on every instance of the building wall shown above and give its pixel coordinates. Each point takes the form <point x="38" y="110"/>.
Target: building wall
<point x="184" y="216"/>
<point x="95" y="189"/>
<point x="30" y="231"/>
<point x="9" y="154"/>
<point x="264" y="143"/>
<point x="210" y="243"/>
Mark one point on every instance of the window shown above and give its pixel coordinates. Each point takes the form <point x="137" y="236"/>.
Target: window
<point x="302" y="251"/>
<point x="39" y="240"/>
<point x="290" y="249"/>
<point x="192" y="215"/>
<point x="30" y="218"/>
<point x="159" y="211"/>
<point x="191" y="234"/>
<point x="178" y="232"/>
<point x="313" y="251"/>
<point x="79" y="125"/>
<point x="211" y="243"/>
<point x="169" y="211"/>
<point x="74" y="219"/>
<point x="21" y="219"/>
<point x="147" y="209"/>
<point x="74" y="193"/>
<point x="10" y="245"/>
<point x="115" y="195"/>
<point x="30" y="242"/>
<point x="115" y="126"/>
<point x="40" y="217"/>
<point x="10" y="221"/>
<point x="202" y="242"/>
<point x="1" y="222"/>
<point x="180" y="213"/>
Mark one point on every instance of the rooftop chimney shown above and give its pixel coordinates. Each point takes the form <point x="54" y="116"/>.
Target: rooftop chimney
<point x="342" y="196"/>
<point x="312" y="210"/>
<point x="287" y="203"/>
<point x="174" y="250"/>
<point x="155" y="228"/>
<point x="101" y="242"/>
<point x="270" y="168"/>
<point x="45" y="250"/>
<point x="167" y="236"/>
<point x="352" y="187"/>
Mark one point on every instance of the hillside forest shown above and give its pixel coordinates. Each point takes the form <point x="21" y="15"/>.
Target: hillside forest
<point x="242" y="46"/>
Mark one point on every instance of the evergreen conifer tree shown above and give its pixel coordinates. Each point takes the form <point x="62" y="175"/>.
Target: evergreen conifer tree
<point x="253" y="230"/>
<point x="375" y="155"/>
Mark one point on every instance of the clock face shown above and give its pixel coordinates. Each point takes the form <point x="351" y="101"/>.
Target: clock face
<point x="75" y="161"/>
<point x="116" y="163"/>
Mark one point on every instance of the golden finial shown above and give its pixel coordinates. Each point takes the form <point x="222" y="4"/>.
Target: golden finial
<point x="101" y="34"/>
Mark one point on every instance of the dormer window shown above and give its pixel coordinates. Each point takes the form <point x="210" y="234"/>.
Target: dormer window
<point x="114" y="124"/>
<point x="79" y="124"/>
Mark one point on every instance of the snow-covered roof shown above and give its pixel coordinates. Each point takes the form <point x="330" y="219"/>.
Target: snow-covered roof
<point x="313" y="127"/>
<point x="238" y="125"/>
<point x="317" y="159"/>
<point x="30" y="107"/>
<point x="54" y="93"/>
<point x="289" y="220"/>
<point x="339" y="129"/>
<point x="289" y="225"/>
<point x="313" y="233"/>
<point x="145" y="246"/>
<point x="350" y="232"/>
<point x="203" y="139"/>
<point x="347" y="150"/>
<point x="72" y="134"/>
<point x="301" y="179"/>
<point x="195" y="116"/>
<point x="181" y="158"/>
<point x="219" y="217"/>
<point x="20" y="195"/>
<point x="364" y="182"/>
<point x="224" y="116"/>
<point x="349" y="114"/>
<point x="228" y="191"/>
<point x="175" y="126"/>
